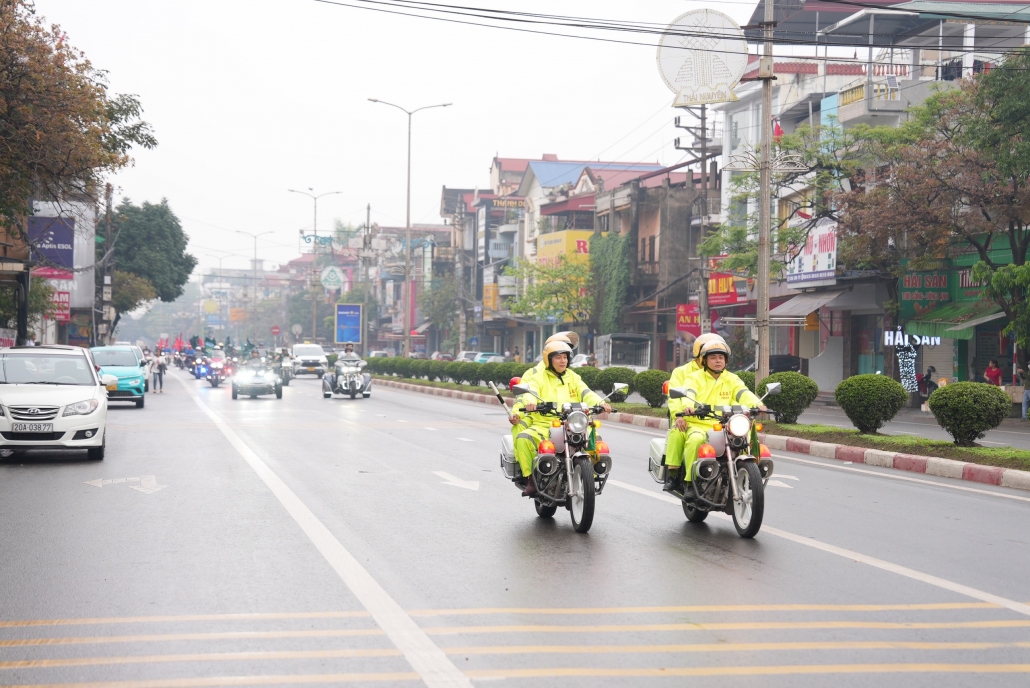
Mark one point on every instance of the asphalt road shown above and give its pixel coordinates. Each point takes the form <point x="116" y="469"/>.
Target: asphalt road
<point x="376" y="542"/>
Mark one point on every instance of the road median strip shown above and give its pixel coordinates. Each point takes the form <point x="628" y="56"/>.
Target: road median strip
<point x="928" y="465"/>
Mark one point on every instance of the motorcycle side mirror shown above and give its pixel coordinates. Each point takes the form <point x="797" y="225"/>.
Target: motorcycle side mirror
<point x="524" y="389"/>
<point x="772" y="389"/>
<point x="677" y="393"/>
<point x="619" y="387"/>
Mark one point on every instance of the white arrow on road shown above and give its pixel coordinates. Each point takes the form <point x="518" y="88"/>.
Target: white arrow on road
<point x="147" y="483"/>
<point x="457" y="482"/>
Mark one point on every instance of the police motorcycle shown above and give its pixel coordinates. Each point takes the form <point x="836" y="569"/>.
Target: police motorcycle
<point x="217" y="373"/>
<point x="348" y="377"/>
<point x="570" y="468"/>
<point x="200" y="368"/>
<point x="731" y="442"/>
<point x="256" y="377"/>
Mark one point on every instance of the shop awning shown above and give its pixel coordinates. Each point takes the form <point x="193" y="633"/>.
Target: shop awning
<point x="423" y="327"/>
<point x="955" y="320"/>
<point x="803" y="304"/>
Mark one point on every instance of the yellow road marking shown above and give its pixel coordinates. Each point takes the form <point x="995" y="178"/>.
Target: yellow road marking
<point x="758" y="670"/>
<point x="167" y="637"/>
<point x="184" y="617"/>
<point x="272" y="616"/>
<point x="234" y="681"/>
<point x="514" y="650"/>
<point x="729" y="626"/>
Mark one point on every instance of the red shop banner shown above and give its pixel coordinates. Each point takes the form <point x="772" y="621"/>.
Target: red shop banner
<point x="688" y="319"/>
<point x="722" y="289"/>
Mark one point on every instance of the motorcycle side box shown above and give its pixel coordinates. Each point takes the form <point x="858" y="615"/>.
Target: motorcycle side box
<point x="509" y="466"/>
<point x="656" y="459"/>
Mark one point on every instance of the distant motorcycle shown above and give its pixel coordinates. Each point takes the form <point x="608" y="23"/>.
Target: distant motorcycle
<point x="348" y="377"/>
<point x="217" y="373"/>
<point x="570" y="468"/>
<point x="727" y="476"/>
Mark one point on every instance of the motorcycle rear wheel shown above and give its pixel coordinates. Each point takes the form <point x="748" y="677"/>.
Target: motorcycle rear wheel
<point x="747" y="516"/>
<point x="693" y="514"/>
<point x="544" y="511"/>
<point x="582" y="506"/>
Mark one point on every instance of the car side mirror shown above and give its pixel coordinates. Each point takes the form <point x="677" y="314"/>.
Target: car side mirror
<point x="108" y="380"/>
<point x="773" y="388"/>
<point x="142" y="364"/>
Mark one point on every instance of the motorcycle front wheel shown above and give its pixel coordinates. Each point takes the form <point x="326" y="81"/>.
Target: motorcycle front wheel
<point x="214" y="381"/>
<point x="544" y="511"/>
<point x="747" y="514"/>
<point x="582" y="505"/>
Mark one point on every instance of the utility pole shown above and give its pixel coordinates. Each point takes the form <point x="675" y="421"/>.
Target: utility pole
<point x="766" y="75"/>
<point x="107" y="297"/>
<point x="702" y="292"/>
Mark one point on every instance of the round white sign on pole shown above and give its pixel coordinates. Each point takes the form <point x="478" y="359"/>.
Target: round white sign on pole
<point x="332" y="278"/>
<point x="296" y="330"/>
<point x="702" y="57"/>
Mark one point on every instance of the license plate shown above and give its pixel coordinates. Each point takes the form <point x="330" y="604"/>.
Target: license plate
<point x="113" y="388"/>
<point x="311" y="368"/>
<point x="33" y="427"/>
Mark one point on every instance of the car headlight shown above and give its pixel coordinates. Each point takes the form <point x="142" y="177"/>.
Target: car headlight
<point x="578" y="422"/>
<point x="81" y="408"/>
<point x="739" y="425"/>
<point x="134" y="382"/>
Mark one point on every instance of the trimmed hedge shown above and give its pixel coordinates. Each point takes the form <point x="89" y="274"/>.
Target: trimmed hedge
<point x="748" y="377"/>
<point x="419" y="368"/>
<point x="967" y="410"/>
<point x="437" y="370"/>
<point x="649" y="384"/>
<point x="797" y="392"/>
<point x="609" y="376"/>
<point x="870" y="400"/>
<point x="467" y="372"/>
<point x="589" y="375"/>
<point x="331" y="360"/>
<point x="488" y="373"/>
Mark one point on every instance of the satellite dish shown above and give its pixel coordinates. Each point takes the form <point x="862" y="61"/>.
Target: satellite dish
<point x="701" y="57"/>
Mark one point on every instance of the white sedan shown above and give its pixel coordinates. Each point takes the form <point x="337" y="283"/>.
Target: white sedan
<point x="51" y="397"/>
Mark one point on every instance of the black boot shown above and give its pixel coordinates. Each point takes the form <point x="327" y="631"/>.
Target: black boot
<point x="530" y="488"/>
<point x="672" y="477"/>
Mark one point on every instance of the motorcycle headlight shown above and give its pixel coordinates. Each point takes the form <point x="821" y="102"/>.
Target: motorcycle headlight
<point x="578" y="422"/>
<point x="81" y="408"/>
<point x="739" y="425"/>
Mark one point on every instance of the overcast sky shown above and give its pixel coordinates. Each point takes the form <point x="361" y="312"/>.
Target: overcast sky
<point x="251" y="98"/>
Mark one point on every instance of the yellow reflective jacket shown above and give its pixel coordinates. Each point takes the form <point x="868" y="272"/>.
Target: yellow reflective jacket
<point x="550" y="387"/>
<point x="727" y="390"/>
<point x="679" y="379"/>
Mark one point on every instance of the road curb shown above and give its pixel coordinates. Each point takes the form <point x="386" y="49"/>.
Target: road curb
<point x="929" y="465"/>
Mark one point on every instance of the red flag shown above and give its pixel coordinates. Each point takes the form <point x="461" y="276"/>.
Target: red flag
<point x="777" y="131"/>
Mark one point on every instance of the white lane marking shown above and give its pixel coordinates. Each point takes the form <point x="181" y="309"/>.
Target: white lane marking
<point x="425" y="657"/>
<point x="464" y="439"/>
<point x="788" y="477"/>
<point x="943" y="583"/>
<point x="147" y="483"/>
<point x="905" y="478"/>
<point x="457" y="482"/>
<point x="777" y="483"/>
<point x="399" y="420"/>
<point x="1003" y="444"/>
<point x="430" y="429"/>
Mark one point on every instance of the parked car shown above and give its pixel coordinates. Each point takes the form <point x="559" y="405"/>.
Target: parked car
<point x="130" y="372"/>
<point x="485" y="356"/>
<point x="53" y="398"/>
<point x="442" y="356"/>
<point x="466" y="356"/>
<point x="580" y="360"/>
<point x="380" y="354"/>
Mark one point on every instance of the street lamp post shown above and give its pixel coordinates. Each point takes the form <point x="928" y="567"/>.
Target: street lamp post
<point x="254" y="267"/>
<point x="314" y="256"/>
<point x="407" y="226"/>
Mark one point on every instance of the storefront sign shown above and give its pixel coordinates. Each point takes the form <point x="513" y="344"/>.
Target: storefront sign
<point x="62" y="301"/>
<point x="722" y="289"/>
<point x="574" y="244"/>
<point x="237" y="314"/>
<point x="921" y="292"/>
<point x="901" y="339"/>
<point x="688" y="319"/>
<point x="53" y="240"/>
<point x="818" y="259"/>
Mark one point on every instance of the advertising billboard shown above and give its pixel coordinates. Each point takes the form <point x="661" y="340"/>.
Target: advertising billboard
<point x="53" y="240"/>
<point x="688" y="319"/>
<point x="348" y="323"/>
<point x="572" y="243"/>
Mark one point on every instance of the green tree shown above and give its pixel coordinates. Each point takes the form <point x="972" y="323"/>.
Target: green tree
<point x="149" y="242"/>
<point x="40" y="305"/>
<point x="129" y="292"/>
<point x="61" y="131"/>
<point x="557" y="290"/>
<point x="439" y="304"/>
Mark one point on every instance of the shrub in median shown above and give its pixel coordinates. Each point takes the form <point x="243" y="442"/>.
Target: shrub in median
<point x="453" y="370"/>
<point x="589" y="375"/>
<point x="609" y="376"/>
<point x="748" y="376"/>
<point x="870" y="400"/>
<point x="797" y="392"/>
<point x="402" y="366"/>
<point x="967" y="410"/>
<point x="488" y="372"/>
<point x="419" y="368"/>
<point x="437" y="370"/>
<point x="649" y="385"/>
<point x="386" y="367"/>
<point x="468" y="373"/>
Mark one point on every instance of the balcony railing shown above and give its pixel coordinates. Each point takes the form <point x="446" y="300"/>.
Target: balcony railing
<point x="880" y="91"/>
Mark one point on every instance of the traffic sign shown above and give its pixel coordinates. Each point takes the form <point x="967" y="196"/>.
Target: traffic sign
<point x="275" y="330"/>
<point x="296" y="329"/>
<point x="474" y="341"/>
<point x="332" y="278"/>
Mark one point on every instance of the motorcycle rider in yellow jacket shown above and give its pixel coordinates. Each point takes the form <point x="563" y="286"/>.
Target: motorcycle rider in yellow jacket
<point x="676" y="437"/>
<point x="557" y="384"/>
<point x="712" y="385"/>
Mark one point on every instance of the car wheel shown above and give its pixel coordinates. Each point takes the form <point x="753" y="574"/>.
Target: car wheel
<point x="235" y="394"/>
<point x="97" y="453"/>
<point x="140" y="401"/>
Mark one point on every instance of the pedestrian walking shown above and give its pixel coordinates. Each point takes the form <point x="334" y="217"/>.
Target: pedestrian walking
<point x="1024" y="377"/>
<point x="159" y="367"/>
<point x="518" y="355"/>
<point x="993" y="373"/>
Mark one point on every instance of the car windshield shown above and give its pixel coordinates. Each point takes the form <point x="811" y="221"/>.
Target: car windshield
<point x="40" y="369"/>
<point x="308" y="350"/>
<point x="115" y="357"/>
<point x="256" y="364"/>
<point x="218" y="356"/>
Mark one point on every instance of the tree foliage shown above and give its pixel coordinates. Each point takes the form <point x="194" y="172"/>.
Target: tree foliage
<point x="130" y="291"/>
<point x="440" y="304"/>
<point x="60" y="129"/>
<point x="149" y="243"/>
<point x="40" y="305"/>
<point x="558" y="290"/>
